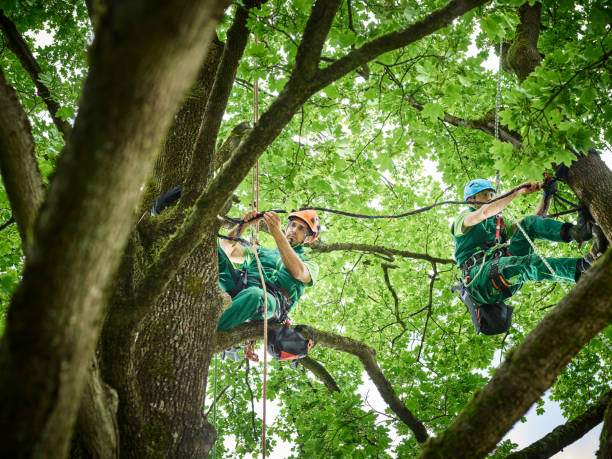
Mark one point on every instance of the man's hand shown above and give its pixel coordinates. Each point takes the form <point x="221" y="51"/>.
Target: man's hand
<point x="531" y="187"/>
<point x="274" y="223"/>
<point x="251" y="214"/>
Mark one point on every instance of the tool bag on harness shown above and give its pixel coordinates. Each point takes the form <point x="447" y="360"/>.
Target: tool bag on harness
<point x="286" y="343"/>
<point x="489" y="319"/>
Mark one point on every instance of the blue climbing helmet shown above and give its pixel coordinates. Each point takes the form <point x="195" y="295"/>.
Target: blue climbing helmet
<point x="473" y="187"/>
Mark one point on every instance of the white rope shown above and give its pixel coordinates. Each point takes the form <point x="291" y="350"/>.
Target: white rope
<point x="497" y="105"/>
<point x="498" y="95"/>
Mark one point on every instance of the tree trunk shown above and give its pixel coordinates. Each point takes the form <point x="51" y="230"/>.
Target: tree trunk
<point x="143" y="59"/>
<point x="158" y="360"/>
<point x="591" y="180"/>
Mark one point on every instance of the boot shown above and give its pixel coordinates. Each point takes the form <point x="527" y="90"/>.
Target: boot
<point x="600" y="242"/>
<point x="599" y="246"/>
<point x="583" y="229"/>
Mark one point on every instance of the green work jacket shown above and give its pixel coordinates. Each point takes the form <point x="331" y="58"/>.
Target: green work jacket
<point x="476" y="238"/>
<point x="275" y="271"/>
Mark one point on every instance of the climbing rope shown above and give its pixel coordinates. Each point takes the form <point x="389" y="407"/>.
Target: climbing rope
<point x="238" y="221"/>
<point x="265" y="352"/>
<point x="255" y="240"/>
<point x="497" y="105"/>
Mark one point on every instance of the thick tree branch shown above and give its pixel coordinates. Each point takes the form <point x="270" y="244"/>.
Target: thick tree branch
<point x="485" y="124"/>
<point x="521" y="56"/>
<point x="605" y="439"/>
<point x="432" y="23"/>
<point x="529" y="369"/>
<point x="22" y="180"/>
<point x="315" y="33"/>
<point x="201" y="168"/>
<point x="96" y="426"/>
<point x="320" y="372"/>
<point x="17" y="44"/>
<point x="174" y="159"/>
<point x="363" y="352"/>
<point x="144" y="57"/>
<point x="324" y="247"/>
<point x="565" y="434"/>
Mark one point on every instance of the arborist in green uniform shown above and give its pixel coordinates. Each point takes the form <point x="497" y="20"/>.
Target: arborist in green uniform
<point x="496" y="258"/>
<point x="286" y="270"/>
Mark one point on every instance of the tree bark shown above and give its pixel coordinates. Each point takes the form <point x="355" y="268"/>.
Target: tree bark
<point x="591" y="181"/>
<point x="20" y="174"/>
<point x="173" y="161"/>
<point x="521" y="56"/>
<point x="97" y="430"/>
<point x="605" y="439"/>
<point x="144" y="56"/>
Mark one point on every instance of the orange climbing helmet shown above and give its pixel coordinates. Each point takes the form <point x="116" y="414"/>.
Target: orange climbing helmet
<point x="311" y="219"/>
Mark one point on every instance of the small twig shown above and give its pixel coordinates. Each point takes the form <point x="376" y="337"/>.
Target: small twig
<point x="7" y="223"/>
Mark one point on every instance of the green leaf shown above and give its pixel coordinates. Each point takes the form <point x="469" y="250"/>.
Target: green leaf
<point x="331" y="92"/>
<point x="433" y="111"/>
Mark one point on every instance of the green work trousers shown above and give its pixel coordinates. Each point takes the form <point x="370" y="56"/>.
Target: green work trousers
<point x="248" y="304"/>
<point x="523" y="265"/>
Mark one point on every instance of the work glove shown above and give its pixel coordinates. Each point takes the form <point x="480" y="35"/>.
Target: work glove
<point x="549" y="187"/>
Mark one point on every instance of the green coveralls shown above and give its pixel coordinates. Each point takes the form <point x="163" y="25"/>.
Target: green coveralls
<point x="522" y="266"/>
<point x="249" y="303"/>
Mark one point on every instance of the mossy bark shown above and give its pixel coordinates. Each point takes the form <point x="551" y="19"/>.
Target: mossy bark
<point x="521" y="55"/>
<point x="144" y="57"/>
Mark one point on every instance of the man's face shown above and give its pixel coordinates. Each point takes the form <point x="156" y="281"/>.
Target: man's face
<point x="485" y="195"/>
<point x="296" y="232"/>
